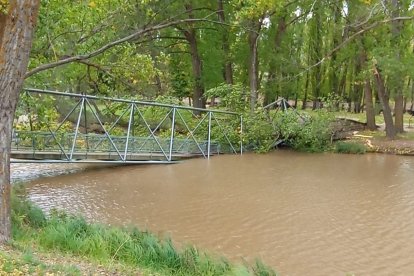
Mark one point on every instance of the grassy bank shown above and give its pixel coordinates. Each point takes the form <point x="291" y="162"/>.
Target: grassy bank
<point x="107" y="245"/>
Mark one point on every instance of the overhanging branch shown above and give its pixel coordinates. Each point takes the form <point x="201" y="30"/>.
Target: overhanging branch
<point x="112" y="44"/>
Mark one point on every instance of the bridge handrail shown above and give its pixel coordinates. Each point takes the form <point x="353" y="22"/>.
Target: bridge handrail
<point x="50" y="92"/>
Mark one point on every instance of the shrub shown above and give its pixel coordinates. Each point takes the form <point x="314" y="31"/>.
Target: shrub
<point x="350" y="147"/>
<point x="311" y="133"/>
<point x="259" y="134"/>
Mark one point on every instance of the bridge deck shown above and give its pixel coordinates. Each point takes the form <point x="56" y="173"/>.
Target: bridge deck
<point x="101" y="156"/>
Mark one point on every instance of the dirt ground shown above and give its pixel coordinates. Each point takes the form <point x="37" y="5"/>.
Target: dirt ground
<point x="402" y="145"/>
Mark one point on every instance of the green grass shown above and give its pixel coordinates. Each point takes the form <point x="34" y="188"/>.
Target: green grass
<point x="350" y="147"/>
<point x="132" y="247"/>
<point x="361" y="117"/>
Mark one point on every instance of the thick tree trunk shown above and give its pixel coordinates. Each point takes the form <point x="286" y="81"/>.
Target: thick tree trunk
<point x="305" y="96"/>
<point x="228" y="66"/>
<point x="384" y="99"/>
<point x="16" y="33"/>
<point x="198" y="99"/>
<point x="271" y="81"/>
<point x="198" y="93"/>
<point x="317" y="56"/>
<point x="368" y="97"/>
<point x="398" y="93"/>
<point x="336" y="11"/>
<point x="253" y="64"/>
<point x="369" y="106"/>
<point x="399" y="112"/>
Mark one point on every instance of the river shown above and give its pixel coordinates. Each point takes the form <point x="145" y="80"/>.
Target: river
<point x="303" y="214"/>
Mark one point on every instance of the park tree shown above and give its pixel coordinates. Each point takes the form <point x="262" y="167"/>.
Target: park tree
<point x="17" y="23"/>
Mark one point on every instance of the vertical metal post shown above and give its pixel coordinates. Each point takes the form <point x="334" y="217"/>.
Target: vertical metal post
<point x="131" y="116"/>
<point x="77" y="129"/>
<point x="209" y="135"/>
<point x="86" y="129"/>
<point x="241" y="134"/>
<point x="172" y="135"/>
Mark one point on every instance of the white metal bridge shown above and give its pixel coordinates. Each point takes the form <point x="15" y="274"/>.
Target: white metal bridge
<point x="58" y="127"/>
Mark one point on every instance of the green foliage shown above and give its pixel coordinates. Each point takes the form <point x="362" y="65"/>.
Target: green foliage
<point x="311" y="133"/>
<point x="333" y="101"/>
<point x="4" y="5"/>
<point x="73" y="234"/>
<point x="258" y="134"/>
<point x="350" y="147"/>
<point x="232" y="97"/>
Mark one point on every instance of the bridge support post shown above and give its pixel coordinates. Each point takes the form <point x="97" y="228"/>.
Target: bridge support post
<point x="130" y="122"/>
<point x="209" y="135"/>
<point x="75" y="137"/>
<point x="172" y="135"/>
<point x="241" y="134"/>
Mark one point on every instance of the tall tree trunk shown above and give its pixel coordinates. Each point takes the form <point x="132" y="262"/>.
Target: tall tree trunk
<point x="384" y="99"/>
<point x="368" y="97"/>
<point x="369" y="106"/>
<point x="336" y="10"/>
<point x="358" y="84"/>
<point x="398" y="91"/>
<point x="253" y="38"/>
<point x="228" y="66"/>
<point x="317" y="56"/>
<point x="16" y="34"/>
<point x="399" y="111"/>
<point x="305" y="96"/>
<point x="270" y="85"/>
<point x="191" y="37"/>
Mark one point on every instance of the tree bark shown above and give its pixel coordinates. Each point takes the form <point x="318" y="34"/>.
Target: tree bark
<point x="271" y="81"/>
<point x="228" y="66"/>
<point x="190" y="35"/>
<point x="384" y="99"/>
<point x="317" y="56"/>
<point x="398" y="93"/>
<point x="336" y="11"/>
<point x="15" y="43"/>
<point x="368" y="96"/>
<point x="369" y="106"/>
<point x="253" y="38"/>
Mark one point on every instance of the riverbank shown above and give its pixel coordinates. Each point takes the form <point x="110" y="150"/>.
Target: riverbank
<point x="377" y="142"/>
<point x="62" y="244"/>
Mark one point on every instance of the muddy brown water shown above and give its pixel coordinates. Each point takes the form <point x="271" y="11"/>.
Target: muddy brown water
<point x="303" y="214"/>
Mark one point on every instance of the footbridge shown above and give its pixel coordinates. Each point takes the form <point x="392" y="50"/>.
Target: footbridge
<point x="60" y="127"/>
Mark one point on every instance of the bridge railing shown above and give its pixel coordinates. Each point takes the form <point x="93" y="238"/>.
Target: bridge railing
<point x="134" y="128"/>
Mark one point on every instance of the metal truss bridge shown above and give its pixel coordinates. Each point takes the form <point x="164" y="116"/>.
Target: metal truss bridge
<point x="57" y="127"/>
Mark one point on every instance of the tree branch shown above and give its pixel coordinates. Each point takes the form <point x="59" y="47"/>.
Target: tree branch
<point x="349" y="39"/>
<point x="105" y="71"/>
<point x="112" y="44"/>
